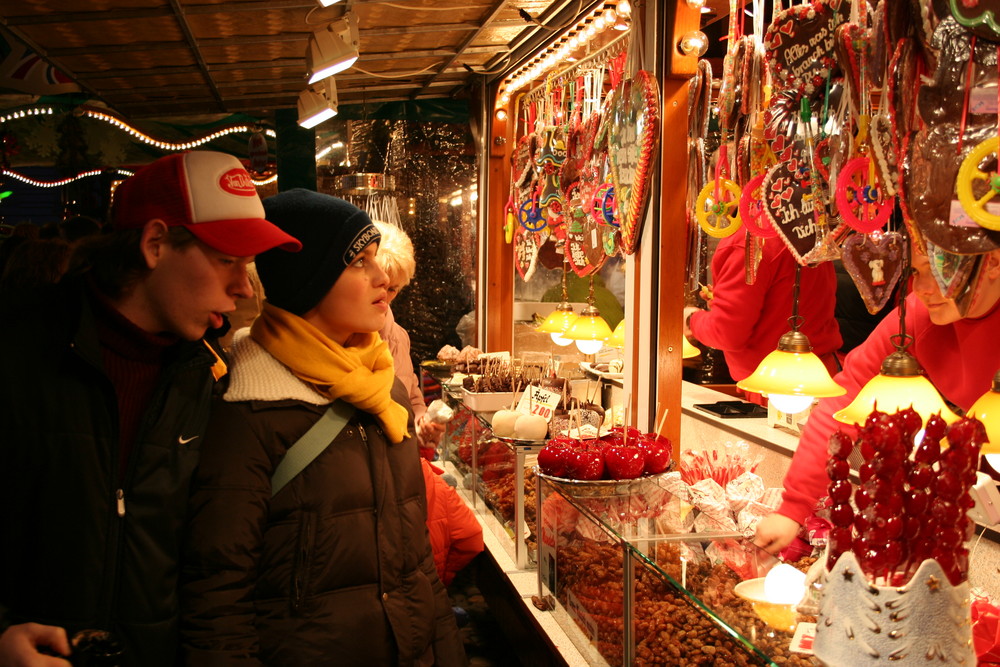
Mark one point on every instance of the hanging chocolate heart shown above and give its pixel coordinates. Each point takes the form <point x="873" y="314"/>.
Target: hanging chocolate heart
<point x="875" y="263"/>
<point x="551" y="247"/>
<point x="525" y="252"/>
<point x="584" y="246"/>
<point x="980" y="16"/>
<point x="800" y="47"/>
<point x="788" y="205"/>
<point x="633" y="137"/>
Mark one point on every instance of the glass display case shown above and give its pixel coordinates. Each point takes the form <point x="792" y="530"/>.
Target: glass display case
<point x="497" y="476"/>
<point x="633" y="578"/>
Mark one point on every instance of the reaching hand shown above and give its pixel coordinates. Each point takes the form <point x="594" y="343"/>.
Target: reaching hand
<point x="19" y="646"/>
<point x="688" y="311"/>
<point x="775" y="532"/>
<point x="429" y="432"/>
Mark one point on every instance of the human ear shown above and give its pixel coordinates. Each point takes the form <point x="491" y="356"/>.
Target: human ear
<point x="154" y="238"/>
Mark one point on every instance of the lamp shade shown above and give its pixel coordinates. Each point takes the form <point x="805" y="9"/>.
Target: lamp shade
<point x="900" y="384"/>
<point x="317" y="104"/>
<point x="332" y="49"/>
<point x="589" y="326"/>
<point x="891" y="393"/>
<point x="987" y="410"/>
<point x="617" y="338"/>
<point x="792" y="370"/>
<point x="559" y="320"/>
<point x="688" y="350"/>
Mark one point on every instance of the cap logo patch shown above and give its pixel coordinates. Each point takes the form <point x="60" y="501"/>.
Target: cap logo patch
<point x="237" y="182"/>
<point x="360" y="242"/>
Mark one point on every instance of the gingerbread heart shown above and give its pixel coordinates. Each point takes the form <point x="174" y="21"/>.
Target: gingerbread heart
<point x="788" y="205"/>
<point x="633" y="136"/>
<point x="800" y="47"/>
<point x="525" y="252"/>
<point x="584" y="246"/>
<point x="875" y="263"/>
<point x="551" y="248"/>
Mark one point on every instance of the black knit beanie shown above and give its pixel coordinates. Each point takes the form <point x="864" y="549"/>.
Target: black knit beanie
<point x="333" y="232"/>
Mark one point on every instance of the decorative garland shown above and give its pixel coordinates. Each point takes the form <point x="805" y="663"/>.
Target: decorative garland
<point x="65" y="181"/>
<point x="133" y="131"/>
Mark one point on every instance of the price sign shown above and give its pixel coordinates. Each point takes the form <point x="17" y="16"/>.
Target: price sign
<point x="538" y="401"/>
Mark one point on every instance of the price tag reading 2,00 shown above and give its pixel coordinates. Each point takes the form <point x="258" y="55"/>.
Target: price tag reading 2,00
<point x="538" y="401"/>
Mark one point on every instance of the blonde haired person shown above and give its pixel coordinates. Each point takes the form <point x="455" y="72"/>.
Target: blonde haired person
<point x="395" y="256"/>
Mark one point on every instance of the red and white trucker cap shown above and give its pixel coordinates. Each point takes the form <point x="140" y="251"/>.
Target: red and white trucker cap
<point x="208" y="193"/>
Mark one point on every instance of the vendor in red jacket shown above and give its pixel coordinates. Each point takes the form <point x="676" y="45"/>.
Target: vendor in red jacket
<point x="746" y="321"/>
<point x="959" y="354"/>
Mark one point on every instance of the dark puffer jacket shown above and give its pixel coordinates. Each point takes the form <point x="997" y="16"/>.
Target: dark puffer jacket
<point x="334" y="569"/>
<point x="81" y="547"/>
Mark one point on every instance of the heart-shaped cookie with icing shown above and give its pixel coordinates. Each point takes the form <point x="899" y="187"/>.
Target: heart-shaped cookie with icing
<point x="875" y="263"/>
<point x="633" y="137"/>
<point x="788" y="205"/>
<point x="800" y="46"/>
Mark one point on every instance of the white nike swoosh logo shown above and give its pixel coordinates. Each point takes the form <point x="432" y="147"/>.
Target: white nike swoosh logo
<point x="182" y="440"/>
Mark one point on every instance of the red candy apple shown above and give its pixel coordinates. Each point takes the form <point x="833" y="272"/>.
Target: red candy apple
<point x="625" y="462"/>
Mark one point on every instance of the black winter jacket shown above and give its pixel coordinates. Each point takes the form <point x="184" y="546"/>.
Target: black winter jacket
<point x="336" y="569"/>
<point x="81" y="548"/>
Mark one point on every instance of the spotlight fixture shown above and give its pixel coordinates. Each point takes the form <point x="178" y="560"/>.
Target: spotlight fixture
<point x="333" y="49"/>
<point x="317" y="104"/>
<point x="501" y="114"/>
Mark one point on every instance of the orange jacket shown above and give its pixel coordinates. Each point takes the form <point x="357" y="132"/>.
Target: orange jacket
<point x="456" y="536"/>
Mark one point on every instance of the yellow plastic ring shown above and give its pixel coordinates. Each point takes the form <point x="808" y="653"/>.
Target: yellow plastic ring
<point x="968" y="173"/>
<point x="719" y="219"/>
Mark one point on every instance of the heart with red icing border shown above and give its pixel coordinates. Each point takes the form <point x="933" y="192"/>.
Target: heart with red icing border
<point x="633" y="136"/>
<point x="788" y="206"/>
<point x="800" y="46"/>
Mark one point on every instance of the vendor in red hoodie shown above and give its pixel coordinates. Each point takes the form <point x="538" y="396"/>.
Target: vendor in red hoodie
<point x="959" y="355"/>
<point x="746" y="321"/>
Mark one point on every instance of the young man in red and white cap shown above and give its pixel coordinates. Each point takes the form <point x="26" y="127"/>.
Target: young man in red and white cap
<point x="104" y="394"/>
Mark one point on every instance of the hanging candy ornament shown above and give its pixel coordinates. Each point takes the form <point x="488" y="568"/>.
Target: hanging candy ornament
<point x="860" y="200"/>
<point x="530" y="216"/>
<point x="979" y="206"/>
<point x="752" y="209"/>
<point x="509" y="221"/>
<point x="719" y="213"/>
<point x="604" y="205"/>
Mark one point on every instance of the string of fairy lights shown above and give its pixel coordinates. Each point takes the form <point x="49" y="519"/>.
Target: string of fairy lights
<point x="132" y="131"/>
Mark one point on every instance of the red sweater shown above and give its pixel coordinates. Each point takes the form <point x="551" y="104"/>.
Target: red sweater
<point x="746" y="321"/>
<point x="959" y="359"/>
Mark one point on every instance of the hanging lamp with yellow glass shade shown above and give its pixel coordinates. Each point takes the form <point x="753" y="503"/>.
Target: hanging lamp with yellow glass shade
<point x="617" y="338"/>
<point x="589" y="330"/>
<point x="792" y="376"/>
<point x="688" y="350"/>
<point x="900" y="384"/>
<point x="987" y="410"/>
<point x="560" y="319"/>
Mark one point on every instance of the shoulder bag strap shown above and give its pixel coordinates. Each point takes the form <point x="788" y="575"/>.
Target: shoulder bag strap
<point x="311" y="444"/>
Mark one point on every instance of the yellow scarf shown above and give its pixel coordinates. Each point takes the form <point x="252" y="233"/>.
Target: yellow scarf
<point x="361" y="374"/>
